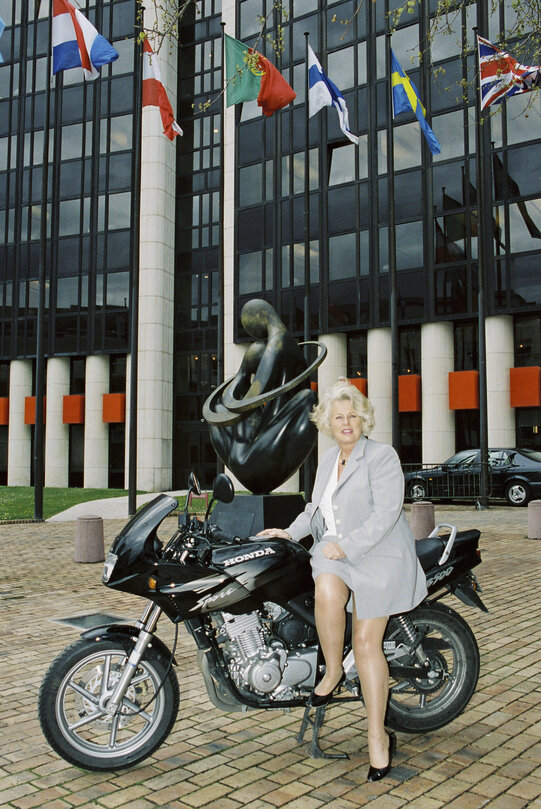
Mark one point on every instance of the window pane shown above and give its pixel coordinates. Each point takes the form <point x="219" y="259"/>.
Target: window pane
<point x="250" y="185"/>
<point x="69" y="217"/>
<point x="72" y="141"/>
<point x="118" y="289"/>
<point x="449" y="130"/>
<point x="342" y="164"/>
<point x="341" y="64"/>
<point x="250" y="266"/>
<point x="525" y="224"/>
<point x="342" y="256"/>
<point x="121" y="132"/>
<point x="119" y="211"/>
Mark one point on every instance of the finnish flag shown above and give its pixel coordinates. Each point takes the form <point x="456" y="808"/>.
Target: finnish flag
<point x="76" y="43"/>
<point x="322" y="92"/>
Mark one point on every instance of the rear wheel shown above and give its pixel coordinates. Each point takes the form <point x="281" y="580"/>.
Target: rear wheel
<point x="73" y="699"/>
<point x="421" y="704"/>
<point x="517" y="493"/>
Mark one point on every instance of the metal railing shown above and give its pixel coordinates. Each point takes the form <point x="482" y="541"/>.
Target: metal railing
<point x="427" y="481"/>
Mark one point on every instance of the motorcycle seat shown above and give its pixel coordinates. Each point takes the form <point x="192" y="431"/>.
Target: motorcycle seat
<point x="430" y="549"/>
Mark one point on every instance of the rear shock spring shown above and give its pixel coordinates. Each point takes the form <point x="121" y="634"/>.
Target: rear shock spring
<point x="413" y="637"/>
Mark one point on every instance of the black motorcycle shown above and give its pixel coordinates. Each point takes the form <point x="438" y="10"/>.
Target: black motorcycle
<point x="111" y="698"/>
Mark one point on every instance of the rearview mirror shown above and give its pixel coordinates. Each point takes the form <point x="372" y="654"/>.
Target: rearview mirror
<point x="222" y="489"/>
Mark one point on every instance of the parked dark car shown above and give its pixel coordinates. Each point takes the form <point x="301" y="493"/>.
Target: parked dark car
<point x="514" y="474"/>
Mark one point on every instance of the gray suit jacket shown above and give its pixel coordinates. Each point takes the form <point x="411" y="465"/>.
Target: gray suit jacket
<point x="371" y="527"/>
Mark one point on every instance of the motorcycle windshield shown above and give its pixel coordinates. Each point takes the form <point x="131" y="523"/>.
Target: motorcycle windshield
<point x="135" y="533"/>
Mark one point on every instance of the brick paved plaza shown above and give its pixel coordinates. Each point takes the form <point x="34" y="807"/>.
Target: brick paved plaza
<point x="489" y="757"/>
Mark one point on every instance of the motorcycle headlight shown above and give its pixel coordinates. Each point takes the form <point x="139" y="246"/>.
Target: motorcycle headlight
<point x="108" y="566"/>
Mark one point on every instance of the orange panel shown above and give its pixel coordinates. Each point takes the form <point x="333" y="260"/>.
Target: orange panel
<point x="409" y="393"/>
<point x="360" y="384"/>
<point x="4" y="410"/>
<point x="525" y="386"/>
<point x="30" y="409"/>
<point x="114" y="408"/>
<point x="464" y="390"/>
<point x="73" y="409"/>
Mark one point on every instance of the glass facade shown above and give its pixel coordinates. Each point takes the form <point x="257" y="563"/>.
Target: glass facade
<point x="90" y="200"/>
<point x="89" y="193"/>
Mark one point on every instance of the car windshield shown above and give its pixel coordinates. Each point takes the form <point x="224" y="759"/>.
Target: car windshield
<point x="462" y="458"/>
<point x="531" y="454"/>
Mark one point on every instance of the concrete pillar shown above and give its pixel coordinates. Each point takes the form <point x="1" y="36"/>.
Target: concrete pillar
<point x="96" y="449"/>
<point x="437" y="360"/>
<point x="20" y="434"/>
<point x="329" y="372"/>
<point x="500" y="358"/>
<point x="57" y="433"/>
<point x="156" y="288"/>
<point x="379" y="364"/>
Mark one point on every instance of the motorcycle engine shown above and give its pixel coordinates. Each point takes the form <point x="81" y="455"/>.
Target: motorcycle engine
<point x="264" y="651"/>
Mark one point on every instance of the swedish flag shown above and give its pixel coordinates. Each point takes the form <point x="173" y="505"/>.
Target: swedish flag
<point x="406" y="98"/>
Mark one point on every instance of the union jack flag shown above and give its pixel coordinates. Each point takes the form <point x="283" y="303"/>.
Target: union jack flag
<point x="501" y="75"/>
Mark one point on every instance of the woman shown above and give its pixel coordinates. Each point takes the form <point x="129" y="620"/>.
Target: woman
<point x="364" y="549"/>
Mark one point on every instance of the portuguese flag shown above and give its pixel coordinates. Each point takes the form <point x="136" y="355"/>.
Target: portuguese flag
<point x="250" y="79"/>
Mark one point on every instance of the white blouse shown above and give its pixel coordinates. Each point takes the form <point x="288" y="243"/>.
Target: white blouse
<point x="326" y="503"/>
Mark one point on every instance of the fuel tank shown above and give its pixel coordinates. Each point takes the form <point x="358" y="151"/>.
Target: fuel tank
<point x="271" y="569"/>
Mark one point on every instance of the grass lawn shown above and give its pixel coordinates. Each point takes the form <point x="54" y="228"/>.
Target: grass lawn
<point x="17" y="502"/>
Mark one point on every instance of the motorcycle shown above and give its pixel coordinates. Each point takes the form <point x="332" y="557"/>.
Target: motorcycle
<point x="111" y="698"/>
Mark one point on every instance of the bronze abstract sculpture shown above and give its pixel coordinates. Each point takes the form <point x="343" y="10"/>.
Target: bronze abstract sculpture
<point x="259" y="419"/>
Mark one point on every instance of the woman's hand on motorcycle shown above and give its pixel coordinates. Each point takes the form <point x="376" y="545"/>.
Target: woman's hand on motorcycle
<point x="274" y="532"/>
<point x="332" y="550"/>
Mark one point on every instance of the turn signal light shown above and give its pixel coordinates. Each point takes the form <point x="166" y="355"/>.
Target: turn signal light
<point x="152" y="583"/>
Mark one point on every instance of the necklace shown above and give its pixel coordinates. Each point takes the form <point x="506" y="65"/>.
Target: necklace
<point x="343" y="461"/>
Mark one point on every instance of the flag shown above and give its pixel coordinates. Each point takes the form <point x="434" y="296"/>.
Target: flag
<point x="154" y="94"/>
<point x="501" y="76"/>
<point x="406" y="99"/>
<point x="76" y="43"/>
<point x="256" y="78"/>
<point x="2" y="26"/>
<point x="500" y="178"/>
<point x="322" y="92"/>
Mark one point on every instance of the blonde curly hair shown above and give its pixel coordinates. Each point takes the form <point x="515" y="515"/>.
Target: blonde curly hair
<point x="343" y="391"/>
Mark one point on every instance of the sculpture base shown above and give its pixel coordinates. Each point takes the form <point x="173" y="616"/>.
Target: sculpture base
<point x="250" y="513"/>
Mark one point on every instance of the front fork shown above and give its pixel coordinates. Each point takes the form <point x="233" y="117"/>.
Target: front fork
<point x="146" y="625"/>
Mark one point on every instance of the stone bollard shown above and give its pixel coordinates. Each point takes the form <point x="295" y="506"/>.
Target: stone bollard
<point x="89" y="545"/>
<point x="422" y="519"/>
<point x="534" y="519"/>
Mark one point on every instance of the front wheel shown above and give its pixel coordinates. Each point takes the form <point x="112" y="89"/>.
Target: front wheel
<point x="417" y="490"/>
<point x="75" y="692"/>
<point x="425" y="703"/>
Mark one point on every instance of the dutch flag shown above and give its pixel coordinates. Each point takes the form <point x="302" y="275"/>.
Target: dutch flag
<point x="76" y="43"/>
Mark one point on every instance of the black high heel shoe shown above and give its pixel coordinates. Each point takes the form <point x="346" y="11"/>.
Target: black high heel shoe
<point x="375" y="773"/>
<point x="317" y="700"/>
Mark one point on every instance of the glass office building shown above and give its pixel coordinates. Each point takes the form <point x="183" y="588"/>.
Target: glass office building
<point x="255" y="247"/>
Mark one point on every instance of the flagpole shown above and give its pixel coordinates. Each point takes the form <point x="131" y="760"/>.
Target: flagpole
<point x="482" y="255"/>
<point x="134" y="310"/>
<point x="39" y="432"/>
<point x="393" y="292"/>
<point x="306" y="203"/>
<point x="220" y="356"/>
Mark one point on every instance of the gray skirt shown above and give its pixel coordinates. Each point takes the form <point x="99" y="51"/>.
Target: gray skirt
<point x="376" y="596"/>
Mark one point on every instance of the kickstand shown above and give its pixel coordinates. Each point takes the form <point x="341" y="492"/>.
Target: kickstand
<point x="316" y="723"/>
